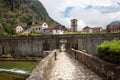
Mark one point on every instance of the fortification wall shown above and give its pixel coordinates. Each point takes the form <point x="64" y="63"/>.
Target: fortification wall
<point x="34" y="46"/>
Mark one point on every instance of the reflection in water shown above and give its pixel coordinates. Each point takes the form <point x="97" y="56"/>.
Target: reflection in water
<point x="15" y="71"/>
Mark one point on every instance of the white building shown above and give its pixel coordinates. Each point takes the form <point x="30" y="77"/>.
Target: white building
<point x="37" y="27"/>
<point x="18" y="29"/>
<point x="52" y="31"/>
<point x="92" y="30"/>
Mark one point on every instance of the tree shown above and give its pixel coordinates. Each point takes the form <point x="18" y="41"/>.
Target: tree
<point x="8" y="29"/>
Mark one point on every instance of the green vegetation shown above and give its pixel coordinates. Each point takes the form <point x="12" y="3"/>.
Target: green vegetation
<point x="6" y="56"/>
<point x="8" y="29"/>
<point x="34" y="32"/>
<point x="66" y="32"/>
<point x="14" y="12"/>
<point x="19" y="65"/>
<point x="8" y="76"/>
<point x="118" y="31"/>
<point x="110" y="51"/>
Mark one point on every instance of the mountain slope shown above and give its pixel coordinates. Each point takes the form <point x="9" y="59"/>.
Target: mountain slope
<point x="114" y="23"/>
<point x="14" y="12"/>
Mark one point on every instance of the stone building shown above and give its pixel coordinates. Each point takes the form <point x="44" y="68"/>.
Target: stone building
<point x="92" y="30"/>
<point x="74" y="25"/>
<point x="18" y="29"/>
<point x="53" y="30"/>
<point x="38" y="27"/>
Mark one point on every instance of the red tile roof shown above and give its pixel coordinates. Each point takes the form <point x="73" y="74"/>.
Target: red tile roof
<point x="37" y="23"/>
<point x="97" y="28"/>
<point x="86" y="28"/>
<point x="53" y="28"/>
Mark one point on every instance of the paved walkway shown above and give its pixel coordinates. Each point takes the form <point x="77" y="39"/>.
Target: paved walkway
<point x="67" y="68"/>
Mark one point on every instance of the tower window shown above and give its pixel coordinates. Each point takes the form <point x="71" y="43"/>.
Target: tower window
<point x="73" y="22"/>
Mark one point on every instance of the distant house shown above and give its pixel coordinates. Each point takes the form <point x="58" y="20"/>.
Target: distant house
<point x="37" y="27"/>
<point x="68" y="30"/>
<point x="113" y="26"/>
<point x="19" y="29"/>
<point x="53" y="30"/>
<point x="92" y="30"/>
<point x="87" y="29"/>
<point x="97" y="29"/>
<point x="113" y="29"/>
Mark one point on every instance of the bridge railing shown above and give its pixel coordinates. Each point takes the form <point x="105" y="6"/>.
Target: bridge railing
<point x="43" y="69"/>
<point x="106" y="70"/>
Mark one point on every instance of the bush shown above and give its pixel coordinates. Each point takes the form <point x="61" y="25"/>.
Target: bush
<point x="8" y="29"/>
<point x="6" y="55"/>
<point x="110" y="51"/>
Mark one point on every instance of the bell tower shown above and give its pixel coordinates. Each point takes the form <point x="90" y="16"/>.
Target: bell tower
<point x="74" y="25"/>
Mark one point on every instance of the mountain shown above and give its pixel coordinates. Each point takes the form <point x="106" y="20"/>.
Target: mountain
<point x="114" y="23"/>
<point x="15" y="12"/>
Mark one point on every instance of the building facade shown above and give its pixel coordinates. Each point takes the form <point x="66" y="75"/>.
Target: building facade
<point x="92" y="30"/>
<point x="37" y="27"/>
<point x="18" y="29"/>
<point x="113" y="29"/>
<point x="53" y="31"/>
<point x="87" y="29"/>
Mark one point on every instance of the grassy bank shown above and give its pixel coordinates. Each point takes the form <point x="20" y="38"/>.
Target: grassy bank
<point x="20" y="65"/>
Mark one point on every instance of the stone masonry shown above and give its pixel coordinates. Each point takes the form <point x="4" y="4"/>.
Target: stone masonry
<point x="67" y="68"/>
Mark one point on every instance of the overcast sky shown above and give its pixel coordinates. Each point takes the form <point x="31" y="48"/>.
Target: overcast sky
<point x="88" y="12"/>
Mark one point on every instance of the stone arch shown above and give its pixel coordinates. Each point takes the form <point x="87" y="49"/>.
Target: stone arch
<point x="46" y="45"/>
<point x="3" y="50"/>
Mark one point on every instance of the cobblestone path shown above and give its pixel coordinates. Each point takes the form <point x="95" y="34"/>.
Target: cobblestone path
<point x="67" y="68"/>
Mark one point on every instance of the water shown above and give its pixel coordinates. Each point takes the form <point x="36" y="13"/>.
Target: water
<point x="12" y="76"/>
<point x="15" y="71"/>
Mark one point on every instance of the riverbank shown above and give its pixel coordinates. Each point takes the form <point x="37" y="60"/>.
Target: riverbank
<point x="12" y="76"/>
<point x="18" y="65"/>
<point x="16" y="70"/>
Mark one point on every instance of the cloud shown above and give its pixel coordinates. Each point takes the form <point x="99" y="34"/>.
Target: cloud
<point x="88" y="12"/>
<point x="67" y="11"/>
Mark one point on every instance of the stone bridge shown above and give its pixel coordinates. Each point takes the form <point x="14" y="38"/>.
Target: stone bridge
<point x="73" y="65"/>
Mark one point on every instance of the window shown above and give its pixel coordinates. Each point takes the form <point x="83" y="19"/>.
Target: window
<point x="44" y="24"/>
<point x="73" y="22"/>
<point x="39" y="28"/>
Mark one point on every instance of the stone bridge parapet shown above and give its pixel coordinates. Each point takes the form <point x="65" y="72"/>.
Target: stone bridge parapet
<point x="43" y="69"/>
<point x="107" y="70"/>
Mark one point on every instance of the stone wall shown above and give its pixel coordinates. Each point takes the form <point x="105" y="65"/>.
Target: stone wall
<point x="91" y="41"/>
<point x="107" y="70"/>
<point x="43" y="69"/>
<point x="26" y="46"/>
<point x="34" y="46"/>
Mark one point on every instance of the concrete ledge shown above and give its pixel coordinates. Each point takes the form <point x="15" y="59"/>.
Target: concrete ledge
<point x="43" y="69"/>
<point x="107" y="70"/>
